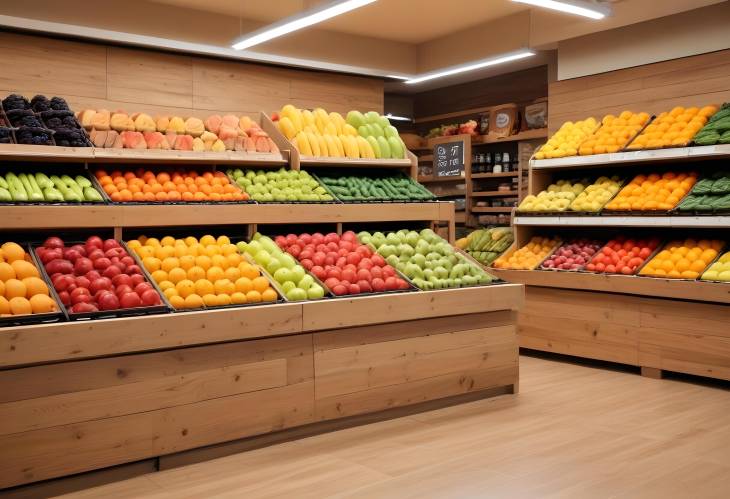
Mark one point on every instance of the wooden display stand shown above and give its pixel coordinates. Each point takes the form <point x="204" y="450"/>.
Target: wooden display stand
<point x="82" y="396"/>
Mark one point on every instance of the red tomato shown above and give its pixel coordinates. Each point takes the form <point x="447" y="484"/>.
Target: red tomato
<point x="627" y="270"/>
<point x="611" y="269"/>
<point x="600" y="267"/>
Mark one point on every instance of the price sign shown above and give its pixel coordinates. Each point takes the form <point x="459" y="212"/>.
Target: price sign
<point x="448" y="159"/>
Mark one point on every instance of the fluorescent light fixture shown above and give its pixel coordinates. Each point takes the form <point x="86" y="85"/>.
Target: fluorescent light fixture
<point x="298" y="21"/>
<point x="399" y="77"/>
<point x="397" y="118"/>
<point x="577" y="7"/>
<point x="471" y="67"/>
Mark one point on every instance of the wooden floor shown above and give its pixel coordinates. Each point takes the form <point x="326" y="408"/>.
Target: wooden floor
<point x="573" y="431"/>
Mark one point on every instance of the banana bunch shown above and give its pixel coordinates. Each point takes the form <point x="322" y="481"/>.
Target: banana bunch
<point x="486" y="245"/>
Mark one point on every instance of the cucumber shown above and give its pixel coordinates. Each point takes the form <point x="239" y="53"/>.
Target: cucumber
<point x="83" y="181"/>
<point x="14" y="182"/>
<point x="43" y="181"/>
<point x="3" y="183"/>
<point x="52" y="194"/>
<point x="71" y="184"/>
<point x="37" y="194"/>
<point x="91" y="194"/>
<point x="5" y="195"/>
<point x="60" y="186"/>
<point x="32" y="194"/>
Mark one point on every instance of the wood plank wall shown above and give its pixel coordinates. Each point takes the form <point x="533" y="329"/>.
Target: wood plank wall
<point x="689" y="81"/>
<point x="97" y="75"/>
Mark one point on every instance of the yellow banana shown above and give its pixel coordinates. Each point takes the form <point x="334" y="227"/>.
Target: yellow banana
<point x="314" y="144"/>
<point x="366" y="150"/>
<point x="287" y="127"/>
<point x="302" y="143"/>
<point x="348" y="129"/>
<point x="350" y="145"/>
<point x="320" y="124"/>
<point x="323" y="149"/>
<point x="338" y="120"/>
<point x="294" y="114"/>
<point x="332" y="148"/>
<point x="311" y="129"/>
<point x="307" y="117"/>
<point x="330" y="129"/>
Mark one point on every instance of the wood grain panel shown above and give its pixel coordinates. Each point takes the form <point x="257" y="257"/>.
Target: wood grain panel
<point x="336" y="92"/>
<point x="700" y="354"/>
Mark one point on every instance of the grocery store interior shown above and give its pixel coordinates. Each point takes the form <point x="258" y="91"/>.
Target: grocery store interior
<point x="365" y="249"/>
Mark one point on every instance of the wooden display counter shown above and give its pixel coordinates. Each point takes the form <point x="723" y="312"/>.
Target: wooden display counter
<point x="81" y="396"/>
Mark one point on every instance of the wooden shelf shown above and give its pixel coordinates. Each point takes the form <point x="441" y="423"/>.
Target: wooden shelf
<point x="430" y="179"/>
<point x="355" y="163"/>
<point x="426" y="157"/>
<point x="492" y="194"/>
<point x="624" y="221"/>
<point x="633" y="285"/>
<point x="44" y="217"/>
<point x="492" y="209"/>
<point x="538" y="133"/>
<point x="633" y="157"/>
<point x="494" y="175"/>
<point x="460" y="217"/>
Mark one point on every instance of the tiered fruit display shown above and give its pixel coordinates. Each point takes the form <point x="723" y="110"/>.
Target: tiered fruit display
<point x="279" y="186"/>
<point x="709" y="195"/>
<point x="40" y="188"/>
<point x="425" y="258"/>
<point x="344" y="265"/>
<point x="653" y="192"/>
<point x="22" y="291"/>
<point x="675" y="128"/>
<point x="717" y="129"/>
<point x="622" y="256"/>
<point x="686" y="259"/>
<point x="98" y="275"/>
<point x="200" y="273"/>
<point x="180" y="185"/>
<point x="485" y="245"/>
<point x="320" y="134"/>
<point x="718" y="271"/>
<point x="117" y="129"/>
<point x="614" y="133"/>
<point x="375" y="187"/>
<point x="596" y="195"/>
<point x="572" y="256"/>
<point x="293" y="279"/>
<point x="529" y="256"/>
<point x="557" y="197"/>
<point x="567" y="139"/>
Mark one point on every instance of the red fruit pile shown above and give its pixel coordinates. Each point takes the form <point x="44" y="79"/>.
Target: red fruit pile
<point x="345" y="266"/>
<point x="95" y="276"/>
<point x="622" y="256"/>
<point x="573" y="256"/>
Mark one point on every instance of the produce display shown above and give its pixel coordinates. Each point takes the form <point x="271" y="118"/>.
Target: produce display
<point x="179" y="185"/>
<point x="673" y="129"/>
<point x="557" y="197"/>
<point x="295" y="283"/>
<point x="596" y="195"/>
<point x="485" y="245"/>
<point x="466" y="128"/>
<point x="686" y="259"/>
<point x="98" y="275"/>
<point x="22" y="290"/>
<point x="566" y="141"/>
<point x="425" y="258"/>
<point x="40" y="188"/>
<point x="718" y="271"/>
<point x="374" y="186"/>
<point x="573" y="255"/>
<point x="42" y="118"/>
<point x="717" y="129"/>
<point x="117" y="129"/>
<point x="709" y="195"/>
<point x="202" y="273"/>
<point x="653" y="192"/>
<point x="614" y="133"/>
<point x="279" y="186"/>
<point x="346" y="266"/>
<point x="529" y="256"/>
<point x="320" y="134"/>
<point x="622" y="256"/>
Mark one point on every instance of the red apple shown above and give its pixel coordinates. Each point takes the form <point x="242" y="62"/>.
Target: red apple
<point x="150" y="298"/>
<point x="294" y="251"/>
<point x="109" y="244"/>
<point x="79" y="292"/>
<point x="349" y="275"/>
<point x="123" y="288"/>
<point x="136" y="279"/>
<point x="127" y="260"/>
<point x="402" y="284"/>
<point x="364" y="251"/>
<point x="391" y="283"/>
<point x="378" y="284"/>
<point x="343" y="252"/>
<point x="121" y="279"/>
<point x="341" y="262"/>
<point x="332" y="237"/>
<point x="87" y="298"/>
<point x="108" y="301"/>
<point x="354" y="289"/>
<point x="280" y="241"/>
<point x="111" y="271"/>
<point x="53" y="242"/>
<point x="306" y="254"/>
<point x="346" y="245"/>
<point x="65" y="298"/>
<point x="306" y="238"/>
<point x="82" y="307"/>
<point x="130" y="300"/>
<point x="331" y="282"/>
<point x="364" y="286"/>
<point x="102" y="263"/>
<point x="340" y="289"/>
<point x="83" y="265"/>
<point x="80" y="248"/>
<point x="62" y="282"/>
<point x="99" y="284"/>
<point x="94" y="242"/>
<point x="49" y="255"/>
<point x="330" y="259"/>
<point x="317" y="237"/>
<point x="133" y="270"/>
<point x="332" y="246"/>
<point x="82" y="282"/>
<point x="95" y="253"/>
<point x="307" y="263"/>
<point x="92" y="275"/>
<point x="142" y="287"/>
<point x="59" y="266"/>
<point x="291" y="239"/>
<point x="388" y="271"/>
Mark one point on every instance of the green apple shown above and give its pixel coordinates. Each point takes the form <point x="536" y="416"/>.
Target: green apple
<point x="372" y="117"/>
<point x="288" y="286"/>
<point x="273" y="266"/>
<point x="253" y="247"/>
<point x="241" y="246"/>
<point x="441" y="272"/>
<point x="305" y="282"/>
<point x="287" y="261"/>
<point x="392" y="238"/>
<point x="419" y="260"/>
<point x="383" y="122"/>
<point x="363" y="233"/>
<point x="428" y="274"/>
<point x="315" y="292"/>
<point x="299" y="273"/>
<point x="283" y="275"/>
<point x="387" y="250"/>
<point x="422" y="247"/>
<point x="412" y="238"/>
<point x="393" y="260"/>
<point x="263" y="257"/>
<point x="296" y="294"/>
<point x="404" y="258"/>
<point x="364" y="131"/>
<point x="356" y="119"/>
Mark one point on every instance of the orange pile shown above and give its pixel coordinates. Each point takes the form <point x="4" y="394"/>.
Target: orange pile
<point x="179" y="185"/>
<point x="675" y="128"/>
<point x="614" y="133"/>
<point x="653" y="192"/>
<point x="683" y="259"/>
<point x="22" y="291"/>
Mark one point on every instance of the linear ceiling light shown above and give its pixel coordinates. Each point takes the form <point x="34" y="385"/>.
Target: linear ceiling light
<point x="472" y="66"/>
<point x="397" y="118"/>
<point x="299" y="21"/>
<point x="577" y="7"/>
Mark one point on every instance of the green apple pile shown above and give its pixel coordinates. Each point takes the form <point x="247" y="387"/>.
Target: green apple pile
<point x="377" y="130"/>
<point x="293" y="280"/>
<point x="597" y="194"/>
<point x="425" y="258"/>
<point x="279" y="186"/>
<point x="557" y="197"/>
<point x="39" y="188"/>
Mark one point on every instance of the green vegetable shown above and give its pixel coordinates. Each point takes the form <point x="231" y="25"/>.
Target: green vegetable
<point x="83" y="181"/>
<point x="91" y="194"/>
<point x="5" y="194"/>
<point x="43" y="181"/>
<point x="3" y="183"/>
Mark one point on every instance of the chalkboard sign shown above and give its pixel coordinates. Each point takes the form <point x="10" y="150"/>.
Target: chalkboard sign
<point x="448" y="159"/>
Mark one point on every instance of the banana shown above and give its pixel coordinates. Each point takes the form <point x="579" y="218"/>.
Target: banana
<point x="376" y="148"/>
<point x="311" y="129"/>
<point x="287" y="127"/>
<point x="294" y="114"/>
<point x="338" y="120"/>
<point x="321" y="124"/>
<point x="348" y="129"/>
<point x="302" y="143"/>
<point x="307" y="117"/>
<point x="366" y="151"/>
<point x="314" y="144"/>
<point x="322" y="113"/>
<point x="350" y="145"/>
<point x="340" y="146"/>
<point x="330" y="129"/>
<point x="323" y="149"/>
<point x="334" y="151"/>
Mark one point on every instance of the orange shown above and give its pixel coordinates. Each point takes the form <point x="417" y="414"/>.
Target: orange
<point x="174" y="196"/>
<point x="219" y="261"/>
<point x="248" y="270"/>
<point x="14" y="289"/>
<point x="238" y="298"/>
<point x="185" y="288"/>
<point x="212" y="249"/>
<point x="228" y="249"/>
<point x="176" y="301"/>
<point x="151" y="263"/>
<point x="168" y="241"/>
<point x="194" y="249"/>
<point x="215" y="274"/>
<point x="2" y="288"/>
<point x="244" y="285"/>
<point x="12" y="252"/>
<point x="253" y="296"/>
<point x="223" y="240"/>
<point x="187" y="261"/>
<point x="4" y="306"/>
<point x="269" y="295"/>
<point x="180" y="250"/>
<point x="188" y="196"/>
<point x="224" y="299"/>
<point x="35" y="286"/>
<point x="204" y="287"/>
<point x="163" y="285"/>
<point x="190" y="240"/>
<point x="170" y="292"/>
<point x="163" y="252"/>
<point x="224" y="286"/>
<point x="177" y="274"/>
<point x="196" y="273"/>
<point x="689" y="274"/>
<point x="163" y="177"/>
<point x="160" y="275"/>
<point x="260" y="284"/>
<point x="152" y="241"/>
<point x="20" y="306"/>
<point x="41" y="304"/>
<point x="682" y="264"/>
<point x="203" y="261"/>
<point x="698" y="265"/>
<point x="6" y="271"/>
<point x="170" y="263"/>
<point x="210" y="300"/>
<point x="207" y="240"/>
<point x="232" y="273"/>
<point x="161" y="196"/>
<point x="234" y="259"/>
<point x="193" y="301"/>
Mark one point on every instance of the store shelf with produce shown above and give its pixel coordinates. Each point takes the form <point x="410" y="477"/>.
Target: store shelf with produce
<point x="538" y="133"/>
<point x="667" y="221"/>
